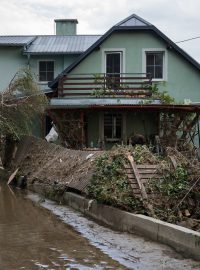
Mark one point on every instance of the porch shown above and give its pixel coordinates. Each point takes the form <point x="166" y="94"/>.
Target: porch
<point x="103" y="127"/>
<point x="100" y="126"/>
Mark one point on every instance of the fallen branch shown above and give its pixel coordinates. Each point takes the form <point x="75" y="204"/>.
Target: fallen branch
<point x="188" y="192"/>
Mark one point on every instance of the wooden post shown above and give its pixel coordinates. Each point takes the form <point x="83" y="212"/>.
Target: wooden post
<point x="101" y="128"/>
<point x="82" y="129"/>
<point x="124" y="127"/>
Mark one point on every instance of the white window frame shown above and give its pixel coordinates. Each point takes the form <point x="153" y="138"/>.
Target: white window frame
<point x="38" y="68"/>
<point x="165" y="62"/>
<point x="114" y="50"/>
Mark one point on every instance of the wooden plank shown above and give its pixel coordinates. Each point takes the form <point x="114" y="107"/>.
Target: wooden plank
<point x="81" y="78"/>
<point x="173" y="161"/>
<point x="147" y="166"/>
<point x="12" y="176"/>
<point x="149" y="176"/>
<point x="144" y="177"/>
<point x="141" y="167"/>
<point x="107" y="77"/>
<point x="147" y="171"/>
<point x="137" y="176"/>
<point x="102" y="83"/>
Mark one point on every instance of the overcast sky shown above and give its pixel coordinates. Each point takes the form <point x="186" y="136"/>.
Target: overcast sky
<point x="178" y="19"/>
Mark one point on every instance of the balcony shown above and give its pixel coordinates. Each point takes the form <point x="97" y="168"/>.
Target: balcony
<point x="101" y="85"/>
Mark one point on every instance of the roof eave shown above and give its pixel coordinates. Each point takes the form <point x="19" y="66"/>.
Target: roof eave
<point x="50" y="53"/>
<point x="157" y="107"/>
<point x="12" y="44"/>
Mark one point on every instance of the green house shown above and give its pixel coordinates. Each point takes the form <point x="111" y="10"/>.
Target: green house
<point x="45" y="55"/>
<point x="106" y="95"/>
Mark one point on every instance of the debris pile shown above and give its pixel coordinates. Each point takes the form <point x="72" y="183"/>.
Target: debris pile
<point x="173" y="191"/>
<point x="131" y="178"/>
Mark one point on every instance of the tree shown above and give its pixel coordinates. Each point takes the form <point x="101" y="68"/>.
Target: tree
<point x="21" y="102"/>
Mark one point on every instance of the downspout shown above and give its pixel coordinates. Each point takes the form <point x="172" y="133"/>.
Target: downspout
<point x="28" y="61"/>
<point x="198" y="131"/>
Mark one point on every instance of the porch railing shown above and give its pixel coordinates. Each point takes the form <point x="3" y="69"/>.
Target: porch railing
<point x="135" y="85"/>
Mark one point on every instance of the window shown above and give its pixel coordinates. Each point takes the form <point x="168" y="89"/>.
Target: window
<point x="46" y="71"/>
<point x="112" y="126"/>
<point x="154" y="64"/>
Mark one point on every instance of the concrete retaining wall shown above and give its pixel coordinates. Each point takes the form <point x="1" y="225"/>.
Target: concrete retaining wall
<point x="183" y="240"/>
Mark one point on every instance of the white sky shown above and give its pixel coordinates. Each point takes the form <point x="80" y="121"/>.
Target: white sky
<point x="178" y="19"/>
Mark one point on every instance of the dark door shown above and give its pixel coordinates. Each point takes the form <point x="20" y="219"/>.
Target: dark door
<point x="113" y="69"/>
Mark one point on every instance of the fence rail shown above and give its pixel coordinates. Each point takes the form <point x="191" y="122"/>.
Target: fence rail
<point x="100" y="85"/>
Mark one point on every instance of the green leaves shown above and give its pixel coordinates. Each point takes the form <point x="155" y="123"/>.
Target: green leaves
<point x="110" y="184"/>
<point x="164" y="97"/>
<point x="173" y="182"/>
<point x="21" y="105"/>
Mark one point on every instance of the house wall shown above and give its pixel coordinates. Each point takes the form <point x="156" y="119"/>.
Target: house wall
<point x="182" y="78"/>
<point x="11" y="60"/>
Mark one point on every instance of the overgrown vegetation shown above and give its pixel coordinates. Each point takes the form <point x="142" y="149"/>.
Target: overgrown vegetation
<point x="110" y="183"/>
<point x="70" y="126"/>
<point x="178" y="129"/>
<point x="172" y="183"/>
<point x="172" y="197"/>
<point x="21" y="103"/>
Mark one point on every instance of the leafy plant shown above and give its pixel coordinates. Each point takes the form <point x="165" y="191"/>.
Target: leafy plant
<point x="110" y="184"/>
<point x="173" y="182"/>
<point x="162" y="95"/>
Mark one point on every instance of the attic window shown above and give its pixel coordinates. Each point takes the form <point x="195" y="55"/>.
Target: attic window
<point x="154" y="64"/>
<point x="46" y="71"/>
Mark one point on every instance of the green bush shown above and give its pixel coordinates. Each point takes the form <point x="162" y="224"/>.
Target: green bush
<point x="110" y="183"/>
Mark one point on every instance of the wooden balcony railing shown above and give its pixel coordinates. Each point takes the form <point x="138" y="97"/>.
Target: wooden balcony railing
<point x="135" y="85"/>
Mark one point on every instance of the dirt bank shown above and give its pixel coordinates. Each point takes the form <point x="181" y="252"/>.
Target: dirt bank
<point x="52" y="164"/>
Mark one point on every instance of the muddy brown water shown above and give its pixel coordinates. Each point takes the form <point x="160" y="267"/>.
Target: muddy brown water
<point x="41" y="234"/>
<point x="33" y="238"/>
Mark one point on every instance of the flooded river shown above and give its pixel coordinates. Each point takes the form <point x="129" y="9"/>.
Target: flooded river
<point x="32" y="238"/>
<point x="37" y="234"/>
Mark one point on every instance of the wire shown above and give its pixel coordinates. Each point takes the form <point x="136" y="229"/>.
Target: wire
<point x="187" y="39"/>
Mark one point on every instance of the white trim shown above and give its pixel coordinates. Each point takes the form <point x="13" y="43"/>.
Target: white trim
<point x="114" y="50"/>
<point x="165" y="62"/>
<point x="38" y="71"/>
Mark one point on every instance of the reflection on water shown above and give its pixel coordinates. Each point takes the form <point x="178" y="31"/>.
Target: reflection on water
<point x="33" y="238"/>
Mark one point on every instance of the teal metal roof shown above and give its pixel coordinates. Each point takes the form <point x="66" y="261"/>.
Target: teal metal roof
<point x="61" y="44"/>
<point x="15" y="40"/>
<point x="50" y="44"/>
